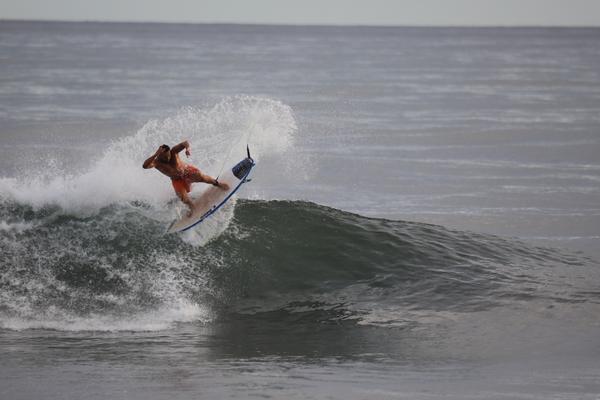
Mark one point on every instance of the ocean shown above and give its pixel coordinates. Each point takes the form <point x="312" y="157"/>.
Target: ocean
<point x="423" y="221"/>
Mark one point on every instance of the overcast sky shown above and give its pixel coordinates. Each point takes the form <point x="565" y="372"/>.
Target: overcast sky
<point x="344" y="12"/>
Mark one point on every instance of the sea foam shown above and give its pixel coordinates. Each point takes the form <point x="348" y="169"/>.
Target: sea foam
<point x="218" y="137"/>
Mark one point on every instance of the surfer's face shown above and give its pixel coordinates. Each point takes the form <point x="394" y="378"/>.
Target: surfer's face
<point x="165" y="155"/>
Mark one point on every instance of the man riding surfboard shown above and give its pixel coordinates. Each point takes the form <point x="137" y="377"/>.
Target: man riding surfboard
<point x="182" y="175"/>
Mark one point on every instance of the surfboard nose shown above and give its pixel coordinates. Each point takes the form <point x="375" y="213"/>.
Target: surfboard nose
<point x="241" y="169"/>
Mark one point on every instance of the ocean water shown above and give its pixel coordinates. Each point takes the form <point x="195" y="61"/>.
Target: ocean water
<point x="423" y="220"/>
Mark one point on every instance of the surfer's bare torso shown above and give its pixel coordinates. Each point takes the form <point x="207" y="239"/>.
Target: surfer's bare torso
<point x="173" y="168"/>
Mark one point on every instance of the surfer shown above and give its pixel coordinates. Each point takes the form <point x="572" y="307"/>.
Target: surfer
<point x="182" y="175"/>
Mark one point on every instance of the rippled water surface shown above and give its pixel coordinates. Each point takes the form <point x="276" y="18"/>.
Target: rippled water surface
<point x="422" y="221"/>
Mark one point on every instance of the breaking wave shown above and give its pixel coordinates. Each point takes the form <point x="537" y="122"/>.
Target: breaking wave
<point x="87" y="250"/>
<point x="117" y="269"/>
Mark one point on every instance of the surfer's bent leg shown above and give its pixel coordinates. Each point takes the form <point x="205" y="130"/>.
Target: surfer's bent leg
<point x="182" y="188"/>
<point x="195" y="175"/>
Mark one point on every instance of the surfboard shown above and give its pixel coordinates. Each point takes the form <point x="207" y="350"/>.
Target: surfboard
<point x="214" y="197"/>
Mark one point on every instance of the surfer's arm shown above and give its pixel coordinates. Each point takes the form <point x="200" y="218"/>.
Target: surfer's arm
<point x="149" y="163"/>
<point x="179" y="147"/>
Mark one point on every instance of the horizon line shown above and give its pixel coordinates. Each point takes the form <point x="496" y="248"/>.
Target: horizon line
<point x="280" y="24"/>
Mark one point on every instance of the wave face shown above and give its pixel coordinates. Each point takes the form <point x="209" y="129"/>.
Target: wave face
<point x="117" y="269"/>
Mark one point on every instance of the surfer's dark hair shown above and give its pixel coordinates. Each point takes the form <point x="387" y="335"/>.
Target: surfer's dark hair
<point x="164" y="146"/>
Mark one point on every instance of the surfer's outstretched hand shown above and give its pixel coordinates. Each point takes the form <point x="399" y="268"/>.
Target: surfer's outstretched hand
<point x="188" y="152"/>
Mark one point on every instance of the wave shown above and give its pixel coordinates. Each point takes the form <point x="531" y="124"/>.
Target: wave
<point x="85" y="249"/>
<point x="117" y="269"/>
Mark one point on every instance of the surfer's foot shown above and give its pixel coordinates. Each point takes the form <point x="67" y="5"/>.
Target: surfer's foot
<point x="222" y="185"/>
<point x="191" y="212"/>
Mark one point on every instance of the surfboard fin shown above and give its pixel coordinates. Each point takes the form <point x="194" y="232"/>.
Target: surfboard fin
<point x="248" y="151"/>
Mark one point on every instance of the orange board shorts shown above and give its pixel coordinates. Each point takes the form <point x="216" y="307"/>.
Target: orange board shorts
<point x="184" y="184"/>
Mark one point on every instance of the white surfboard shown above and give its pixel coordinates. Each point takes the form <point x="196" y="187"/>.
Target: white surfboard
<point x="214" y="197"/>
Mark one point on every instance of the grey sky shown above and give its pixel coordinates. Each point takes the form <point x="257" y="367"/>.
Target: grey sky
<point x="352" y="12"/>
